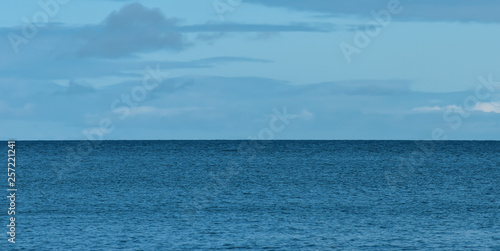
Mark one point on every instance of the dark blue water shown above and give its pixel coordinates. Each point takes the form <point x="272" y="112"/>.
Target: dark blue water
<point x="278" y="195"/>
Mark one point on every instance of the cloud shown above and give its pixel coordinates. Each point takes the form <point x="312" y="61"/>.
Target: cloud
<point x="422" y="10"/>
<point x="488" y="107"/>
<point x="362" y="87"/>
<point x="88" y="68"/>
<point x="493" y="107"/>
<point x="429" y="109"/>
<point x="132" y="29"/>
<point x="230" y="107"/>
<point x="426" y="109"/>
<point x="78" y="88"/>
<point x="136" y="29"/>
<point x="237" y="27"/>
<point x="304" y="114"/>
<point x="220" y="60"/>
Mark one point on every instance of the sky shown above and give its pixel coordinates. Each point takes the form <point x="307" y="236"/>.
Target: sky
<point x="250" y="69"/>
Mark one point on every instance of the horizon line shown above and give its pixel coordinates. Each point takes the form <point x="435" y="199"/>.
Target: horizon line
<point x="6" y="140"/>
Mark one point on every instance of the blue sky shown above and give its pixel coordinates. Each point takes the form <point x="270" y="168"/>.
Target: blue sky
<point x="229" y="69"/>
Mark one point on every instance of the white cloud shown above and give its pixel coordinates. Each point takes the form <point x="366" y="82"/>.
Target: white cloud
<point x="304" y="114"/>
<point x="488" y="107"/>
<point x="479" y="107"/>
<point x="426" y="109"/>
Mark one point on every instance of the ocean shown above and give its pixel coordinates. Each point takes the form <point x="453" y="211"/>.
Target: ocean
<point x="255" y="195"/>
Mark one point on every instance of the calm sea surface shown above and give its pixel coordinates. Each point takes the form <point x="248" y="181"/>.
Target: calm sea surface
<point x="276" y="195"/>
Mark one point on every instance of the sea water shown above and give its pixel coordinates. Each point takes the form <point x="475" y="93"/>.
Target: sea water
<point x="275" y="195"/>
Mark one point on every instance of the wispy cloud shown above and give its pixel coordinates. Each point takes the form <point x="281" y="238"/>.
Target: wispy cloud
<point x="77" y="88"/>
<point x="238" y="27"/>
<point x="136" y="29"/>
<point x="493" y="107"/>
<point x="304" y="114"/>
<point x="369" y="87"/>
<point x="422" y="10"/>
<point x="426" y="109"/>
<point x="224" y="78"/>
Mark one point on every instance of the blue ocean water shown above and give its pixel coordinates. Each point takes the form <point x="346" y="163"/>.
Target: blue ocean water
<point x="276" y="195"/>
